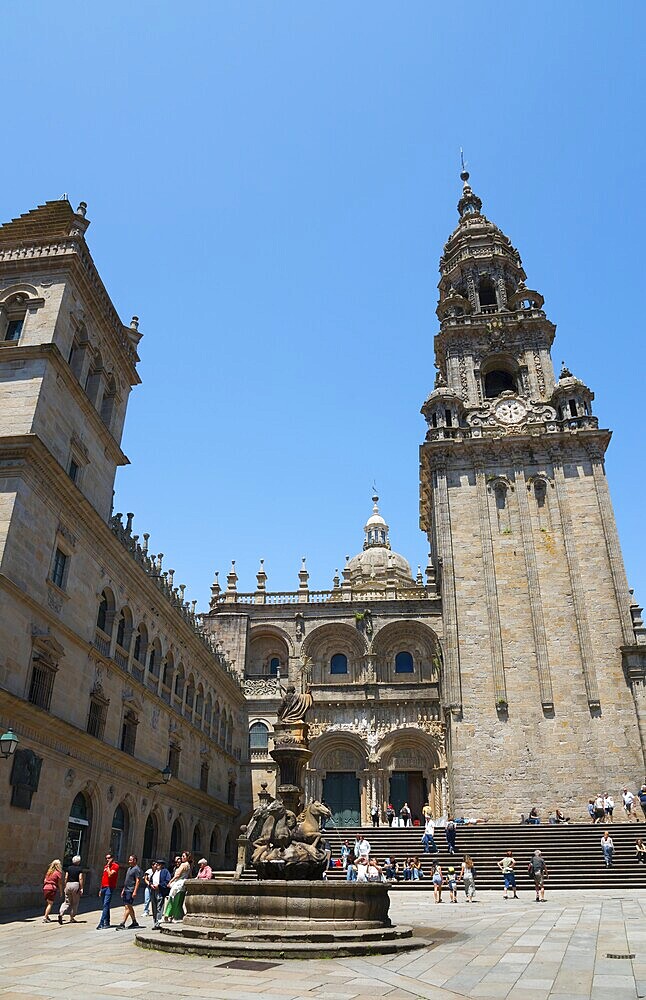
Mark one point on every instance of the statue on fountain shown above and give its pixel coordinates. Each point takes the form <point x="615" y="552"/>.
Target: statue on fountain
<point x="287" y="846"/>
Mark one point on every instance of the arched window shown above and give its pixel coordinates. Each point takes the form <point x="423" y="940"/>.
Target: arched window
<point x="487" y="293"/>
<point x="179" y="684"/>
<point x="199" y="704"/>
<point x="150" y="839"/>
<point x="502" y="508"/>
<point x="404" y="663"/>
<point x="215" y="725"/>
<point x="213" y="844"/>
<point x="102" y="615"/>
<point x="78" y="828"/>
<point x="339" y="664"/>
<point x="197" y="842"/>
<point x="258" y="738"/>
<point x="498" y="381"/>
<point x="108" y="401"/>
<point x="15" y="311"/>
<point x="119" y="833"/>
<point x="175" y="839"/>
<point x="121" y="629"/>
<point x="208" y="715"/>
<point x="189" y="700"/>
<point x="274" y="666"/>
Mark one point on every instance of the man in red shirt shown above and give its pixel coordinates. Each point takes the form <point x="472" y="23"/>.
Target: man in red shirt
<point x="108" y="885"/>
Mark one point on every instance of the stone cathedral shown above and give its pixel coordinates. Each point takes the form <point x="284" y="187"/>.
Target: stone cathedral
<point x="512" y="673"/>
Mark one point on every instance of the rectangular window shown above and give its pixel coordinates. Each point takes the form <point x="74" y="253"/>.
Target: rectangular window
<point x="173" y="760"/>
<point x="129" y="734"/>
<point x="96" y="719"/>
<point x="42" y="685"/>
<point x="73" y="471"/>
<point x="14" y="329"/>
<point x="59" y="568"/>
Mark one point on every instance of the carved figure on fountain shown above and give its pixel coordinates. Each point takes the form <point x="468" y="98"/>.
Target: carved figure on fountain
<point x="287" y="846"/>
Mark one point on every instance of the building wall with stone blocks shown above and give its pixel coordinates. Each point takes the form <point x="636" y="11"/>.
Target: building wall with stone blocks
<point x="105" y="673"/>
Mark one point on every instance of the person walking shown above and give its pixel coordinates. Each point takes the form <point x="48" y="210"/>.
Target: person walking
<point x="159" y="885"/>
<point x="599" y="811"/>
<point x="390" y="814"/>
<point x="52" y="885"/>
<point x="109" y="878"/>
<point x="537" y="869"/>
<point x="405" y="814"/>
<point x="452" y="883"/>
<point x="134" y="876"/>
<point x="628" y="800"/>
<point x="73" y="889"/>
<point x="591" y="809"/>
<point x="608" y="807"/>
<point x="608" y="848"/>
<point x="450" y="833"/>
<point x="374" y="813"/>
<point x="642" y="799"/>
<point x="640" y="851"/>
<point x="438" y="880"/>
<point x="507" y="865"/>
<point x="468" y="876"/>
<point x="428" y="839"/>
<point x="148" y="874"/>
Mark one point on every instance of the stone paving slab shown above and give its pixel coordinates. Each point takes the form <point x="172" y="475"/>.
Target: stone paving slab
<point x="553" y="952"/>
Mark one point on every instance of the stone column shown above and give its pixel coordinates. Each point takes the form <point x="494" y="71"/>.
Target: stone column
<point x="491" y="594"/>
<point x="452" y="694"/>
<point x="578" y="597"/>
<point x="533" y="586"/>
<point x="620" y="583"/>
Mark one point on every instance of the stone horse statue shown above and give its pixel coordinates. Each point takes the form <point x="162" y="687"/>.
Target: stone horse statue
<point x="286" y="846"/>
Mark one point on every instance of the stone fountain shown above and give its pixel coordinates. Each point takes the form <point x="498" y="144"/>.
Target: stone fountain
<point x="290" y="910"/>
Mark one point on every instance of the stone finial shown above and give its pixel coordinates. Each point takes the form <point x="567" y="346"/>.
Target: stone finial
<point x="336" y="581"/>
<point x="419" y="580"/>
<point x="565" y="371"/>
<point x="303" y="576"/>
<point x="215" y="587"/>
<point x="261" y="576"/>
<point x="134" y="323"/>
<point x="171" y="574"/>
<point x="82" y="209"/>
<point x="145" y="545"/>
<point x="129" y="522"/>
<point x="232" y="577"/>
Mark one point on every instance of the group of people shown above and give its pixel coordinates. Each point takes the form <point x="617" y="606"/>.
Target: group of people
<point x="164" y="890"/>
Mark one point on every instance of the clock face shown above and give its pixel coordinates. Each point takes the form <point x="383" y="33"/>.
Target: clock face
<point x="510" y="411"/>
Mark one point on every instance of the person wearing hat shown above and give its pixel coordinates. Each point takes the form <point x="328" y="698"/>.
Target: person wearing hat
<point x="452" y="883"/>
<point x="159" y="886"/>
<point x="204" y="869"/>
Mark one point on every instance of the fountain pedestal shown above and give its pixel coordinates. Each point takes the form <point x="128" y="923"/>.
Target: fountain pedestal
<point x="291" y="752"/>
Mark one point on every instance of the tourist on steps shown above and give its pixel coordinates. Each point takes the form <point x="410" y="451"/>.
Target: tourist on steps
<point x="390" y="813"/>
<point x="405" y="814"/>
<point x="450" y="832"/>
<point x="642" y="799"/>
<point x="608" y="807"/>
<point x="428" y="838"/>
<point x="374" y="813"/>
<point x="640" y="851"/>
<point x="351" y="871"/>
<point x="507" y="865"/>
<point x="345" y="854"/>
<point x="361" y="847"/>
<point x="608" y="848"/>
<point x="628" y="800"/>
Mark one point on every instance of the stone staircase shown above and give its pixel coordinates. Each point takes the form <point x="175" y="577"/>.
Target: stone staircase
<point x="572" y="853"/>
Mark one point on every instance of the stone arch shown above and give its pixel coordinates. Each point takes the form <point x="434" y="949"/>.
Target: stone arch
<point x="407" y="636"/>
<point x="337" y="774"/>
<point x="412" y="766"/>
<point x="96" y="839"/>
<point x="178" y="837"/>
<point x="151" y="842"/>
<point x="215" y="841"/>
<point x="270" y="648"/>
<point x="330" y="639"/>
<point x="23" y="289"/>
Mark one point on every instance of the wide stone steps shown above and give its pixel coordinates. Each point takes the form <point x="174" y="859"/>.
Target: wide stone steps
<point x="572" y="853"/>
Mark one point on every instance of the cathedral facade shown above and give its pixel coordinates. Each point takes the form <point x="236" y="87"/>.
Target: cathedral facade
<point x="514" y="672"/>
<point x="511" y="672"/>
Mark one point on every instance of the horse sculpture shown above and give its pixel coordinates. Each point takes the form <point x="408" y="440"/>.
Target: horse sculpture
<point x="286" y="846"/>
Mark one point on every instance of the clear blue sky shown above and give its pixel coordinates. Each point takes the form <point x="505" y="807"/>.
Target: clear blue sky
<point x="270" y="186"/>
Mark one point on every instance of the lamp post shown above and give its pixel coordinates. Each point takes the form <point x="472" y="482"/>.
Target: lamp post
<point x="8" y="743"/>
<point x="166" y="775"/>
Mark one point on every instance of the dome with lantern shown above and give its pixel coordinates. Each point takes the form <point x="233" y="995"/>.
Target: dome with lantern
<point x="377" y="564"/>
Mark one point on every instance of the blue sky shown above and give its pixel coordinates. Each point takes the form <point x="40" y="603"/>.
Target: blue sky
<point x="270" y="186"/>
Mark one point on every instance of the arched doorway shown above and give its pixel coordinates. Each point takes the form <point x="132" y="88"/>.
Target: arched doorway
<point x="175" y="839"/>
<point x="149" y="851"/>
<point x="342" y="796"/>
<point x="119" y="833"/>
<point x="337" y="776"/>
<point x="196" y="846"/>
<point x="78" y="829"/>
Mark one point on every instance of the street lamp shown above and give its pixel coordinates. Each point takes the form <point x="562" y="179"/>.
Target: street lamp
<point x="8" y="744"/>
<point x="166" y="774"/>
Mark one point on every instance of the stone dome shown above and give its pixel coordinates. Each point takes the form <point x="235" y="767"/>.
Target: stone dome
<point x="377" y="564"/>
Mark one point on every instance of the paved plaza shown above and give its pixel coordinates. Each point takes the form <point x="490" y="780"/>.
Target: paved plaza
<point x="516" y="949"/>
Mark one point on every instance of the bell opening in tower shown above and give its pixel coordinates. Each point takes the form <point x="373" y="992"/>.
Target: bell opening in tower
<point x="497" y="382"/>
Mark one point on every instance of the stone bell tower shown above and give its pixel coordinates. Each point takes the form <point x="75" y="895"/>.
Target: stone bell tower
<point x="543" y="667"/>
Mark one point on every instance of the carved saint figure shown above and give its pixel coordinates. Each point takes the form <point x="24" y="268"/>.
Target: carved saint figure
<point x="294" y="706"/>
